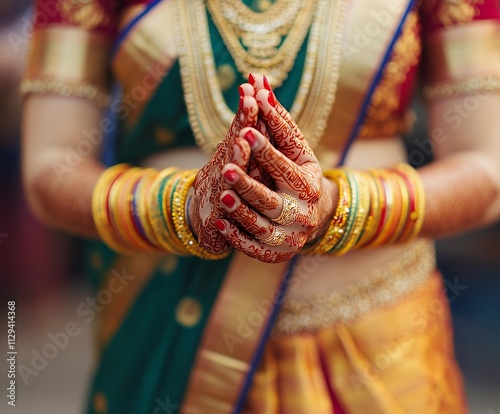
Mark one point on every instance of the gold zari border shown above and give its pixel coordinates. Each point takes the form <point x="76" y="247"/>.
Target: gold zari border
<point x="68" y="61"/>
<point x="463" y="52"/>
<point x="384" y="286"/>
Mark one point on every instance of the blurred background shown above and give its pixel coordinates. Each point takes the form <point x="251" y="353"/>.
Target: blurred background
<point x="41" y="269"/>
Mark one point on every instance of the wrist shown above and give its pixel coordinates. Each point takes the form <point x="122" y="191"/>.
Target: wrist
<point x="327" y="206"/>
<point x="190" y="213"/>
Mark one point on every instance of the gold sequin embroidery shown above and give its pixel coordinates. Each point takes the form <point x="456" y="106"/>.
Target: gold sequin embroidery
<point x="88" y="14"/>
<point x="453" y="12"/>
<point x="188" y="312"/>
<point x="384" y="286"/>
<point x="227" y="76"/>
<point x="386" y="98"/>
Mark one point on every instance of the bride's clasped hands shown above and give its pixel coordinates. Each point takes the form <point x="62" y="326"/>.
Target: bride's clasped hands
<point x="276" y="199"/>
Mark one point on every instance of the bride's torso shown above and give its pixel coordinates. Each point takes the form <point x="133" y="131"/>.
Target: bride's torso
<point x="378" y="146"/>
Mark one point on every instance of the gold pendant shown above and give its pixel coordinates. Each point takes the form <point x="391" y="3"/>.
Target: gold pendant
<point x="210" y="117"/>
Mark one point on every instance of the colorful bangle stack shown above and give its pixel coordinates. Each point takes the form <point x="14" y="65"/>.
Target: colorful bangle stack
<point x="375" y="208"/>
<point x="138" y="209"/>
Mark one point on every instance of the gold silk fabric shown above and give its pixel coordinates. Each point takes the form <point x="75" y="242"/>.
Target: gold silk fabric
<point x="396" y="360"/>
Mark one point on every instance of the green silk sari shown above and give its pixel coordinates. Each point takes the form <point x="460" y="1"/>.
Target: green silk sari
<point x="150" y="331"/>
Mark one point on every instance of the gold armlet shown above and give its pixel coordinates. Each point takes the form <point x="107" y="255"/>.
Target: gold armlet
<point x="68" y="61"/>
<point x="469" y="86"/>
<point x="66" y="89"/>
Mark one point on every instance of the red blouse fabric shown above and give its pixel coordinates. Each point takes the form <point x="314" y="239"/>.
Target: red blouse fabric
<point x="387" y="114"/>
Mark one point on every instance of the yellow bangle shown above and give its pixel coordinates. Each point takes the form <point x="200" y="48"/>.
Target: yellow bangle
<point x="165" y="238"/>
<point x="374" y="214"/>
<point x="337" y="226"/>
<point x="100" y="211"/>
<point x="184" y="233"/>
<point x="143" y="206"/>
<point x="361" y="213"/>
<point x="415" y="217"/>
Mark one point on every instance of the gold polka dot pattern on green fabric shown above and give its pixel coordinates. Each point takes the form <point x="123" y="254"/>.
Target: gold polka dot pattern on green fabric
<point x="96" y="261"/>
<point x="100" y="403"/>
<point x="169" y="265"/>
<point x="227" y="76"/>
<point x="188" y="312"/>
<point x="262" y="5"/>
<point x="163" y="136"/>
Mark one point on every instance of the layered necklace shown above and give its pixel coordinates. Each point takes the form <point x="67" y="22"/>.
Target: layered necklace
<point x="265" y="43"/>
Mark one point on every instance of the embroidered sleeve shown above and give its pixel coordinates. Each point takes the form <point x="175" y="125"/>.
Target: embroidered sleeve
<point x="461" y="53"/>
<point x="69" y="49"/>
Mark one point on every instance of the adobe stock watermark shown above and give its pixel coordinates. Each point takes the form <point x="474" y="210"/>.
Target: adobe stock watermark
<point x="378" y="22"/>
<point x="418" y="323"/>
<point x="87" y="310"/>
<point x="120" y="108"/>
<point x="43" y="14"/>
<point x="246" y="327"/>
<point x="165" y="406"/>
<point x="453" y="118"/>
<point x="491" y="410"/>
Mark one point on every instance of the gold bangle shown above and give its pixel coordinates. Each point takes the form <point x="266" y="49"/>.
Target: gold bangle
<point x="416" y="217"/>
<point x="143" y="206"/>
<point x="339" y="221"/>
<point x="374" y="214"/>
<point x="184" y="233"/>
<point x="388" y="213"/>
<point x="100" y="208"/>
<point x="163" y="236"/>
<point x="125" y="212"/>
<point x="405" y="204"/>
<point x="114" y="206"/>
<point x="362" y="210"/>
<point x="166" y="210"/>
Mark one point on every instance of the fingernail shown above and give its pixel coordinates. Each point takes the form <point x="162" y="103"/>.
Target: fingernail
<point x="220" y="225"/>
<point x="251" y="79"/>
<point x="231" y="176"/>
<point x="250" y="137"/>
<point x="267" y="85"/>
<point x="271" y="99"/>
<point x="241" y="91"/>
<point x="228" y="201"/>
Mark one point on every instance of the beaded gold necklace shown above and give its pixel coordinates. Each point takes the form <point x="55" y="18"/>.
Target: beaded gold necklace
<point x="255" y="40"/>
<point x="210" y="117"/>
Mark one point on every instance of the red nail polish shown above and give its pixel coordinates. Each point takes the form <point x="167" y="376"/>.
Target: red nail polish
<point x="251" y="79"/>
<point x="231" y="176"/>
<point x="267" y="85"/>
<point x="250" y="137"/>
<point x="228" y="200"/>
<point x="271" y="99"/>
<point x="241" y="91"/>
<point x="220" y="225"/>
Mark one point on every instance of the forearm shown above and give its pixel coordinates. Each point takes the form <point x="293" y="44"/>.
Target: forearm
<point x="66" y="203"/>
<point x="461" y="192"/>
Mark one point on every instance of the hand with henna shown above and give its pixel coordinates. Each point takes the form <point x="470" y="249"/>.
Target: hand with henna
<point x="252" y="206"/>
<point x="204" y="207"/>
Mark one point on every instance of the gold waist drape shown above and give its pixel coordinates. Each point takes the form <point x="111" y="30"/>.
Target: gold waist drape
<point x="398" y="359"/>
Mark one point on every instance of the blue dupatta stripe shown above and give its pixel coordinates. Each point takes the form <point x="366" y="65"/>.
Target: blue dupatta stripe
<point x="123" y="34"/>
<point x="374" y="84"/>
